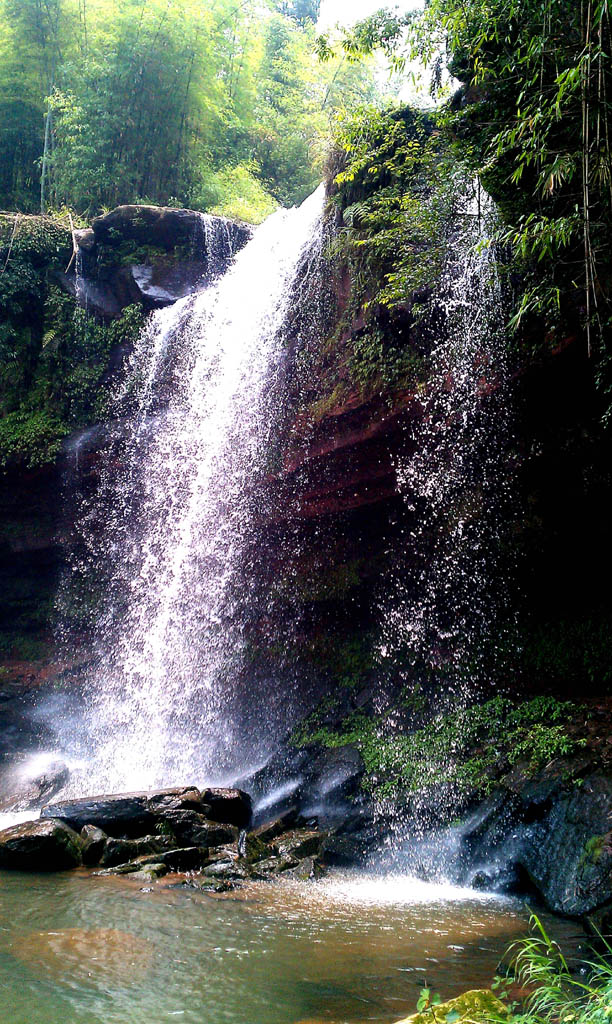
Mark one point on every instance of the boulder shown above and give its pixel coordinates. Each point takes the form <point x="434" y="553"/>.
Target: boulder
<point x="94" y="840"/>
<point x="230" y="869"/>
<point x="554" y="833"/>
<point x="23" y="792"/>
<point x="309" y="781"/>
<point x="255" y="849"/>
<point x="342" y="851"/>
<point x="308" y="869"/>
<point x="300" y="843"/>
<point x="151" y="872"/>
<point x="129" y="814"/>
<point x="195" y="829"/>
<point x="118" y="851"/>
<point x="479" y="1006"/>
<point x="166" y="228"/>
<point x="229" y="806"/>
<point x="274" y="866"/>
<point x="188" y="858"/>
<point x="267" y="833"/>
<point x="43" y="845"/>
<point x="150" y="255"/>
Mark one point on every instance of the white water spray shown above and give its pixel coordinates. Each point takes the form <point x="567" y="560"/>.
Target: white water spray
<point x="173" y="517"/>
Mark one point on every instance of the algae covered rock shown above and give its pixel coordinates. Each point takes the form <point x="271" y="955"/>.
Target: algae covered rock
<point x="43" y="845"/>
<point x="480" y="1006"/>
<point x="94" y="841"/>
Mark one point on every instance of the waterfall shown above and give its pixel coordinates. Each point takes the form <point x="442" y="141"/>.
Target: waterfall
<point x="452" y="481"/>
<point x="445" y="612"/>
<point x="168" y="535"/>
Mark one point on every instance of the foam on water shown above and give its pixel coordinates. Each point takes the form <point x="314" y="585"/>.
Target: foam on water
<point x="8" y="818"/>
<point x="397" y="890"/>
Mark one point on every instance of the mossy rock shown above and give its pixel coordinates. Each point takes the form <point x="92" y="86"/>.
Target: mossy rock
<point x="480" y="1006"/>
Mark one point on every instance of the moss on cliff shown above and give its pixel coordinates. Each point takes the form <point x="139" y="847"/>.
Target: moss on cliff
<point x="466" y="750"/>
<point x="53" y="356"/>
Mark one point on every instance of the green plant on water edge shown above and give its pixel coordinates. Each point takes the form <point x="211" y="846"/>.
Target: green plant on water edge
<point x="465" y="750"/>
<point x="558" y="993"/>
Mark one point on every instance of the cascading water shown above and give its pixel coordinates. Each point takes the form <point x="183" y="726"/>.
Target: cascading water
<point x="451" y="481"/>
<point x="168" y="532"/>
<point x="442" y="616"/>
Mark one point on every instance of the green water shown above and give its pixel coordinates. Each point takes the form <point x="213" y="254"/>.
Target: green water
<point x="75" y="949"/>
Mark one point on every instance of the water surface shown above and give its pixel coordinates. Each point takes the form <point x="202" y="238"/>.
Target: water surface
<point x="345" y="950"/>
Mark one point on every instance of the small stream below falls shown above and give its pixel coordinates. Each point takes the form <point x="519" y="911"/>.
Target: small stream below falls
<point x="350" y="948"/>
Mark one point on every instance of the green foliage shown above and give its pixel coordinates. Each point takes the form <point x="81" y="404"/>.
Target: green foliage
<point x="466" y="750"/>
<point x="53" y="355"/>
<point x="349" y="660"/>
<point x="170" y="100"/>
<point x="532" y="120"/>
<point x="556" y="992"/>
<point x="570" y="652"/>
<point x="379" y="361"/>
<point x="237" y="192"/>
<point x="387" y="182"/>
<point x="32" y="438"/>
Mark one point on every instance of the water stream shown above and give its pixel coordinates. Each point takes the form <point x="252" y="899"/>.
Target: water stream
<point x="167" y="535"/>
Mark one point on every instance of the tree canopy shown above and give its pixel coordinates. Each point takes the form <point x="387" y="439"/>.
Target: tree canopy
<point x="217" y="105"/>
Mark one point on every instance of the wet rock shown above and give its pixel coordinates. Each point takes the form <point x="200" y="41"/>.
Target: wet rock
<point x="255" y="849"/>
<point x="85" y="239"/>
<point x="334" y="775"/>
<point x="44" y="845"/>
<point x="545" y="832"/>
<point x="130" y="814"/>
<point x="188" y="858"/>
<point x="276" y="787"/>
<point x="476" y="1007"/>
<point x="196" y="830"/>
<point x="300" y="843"/>
<point x="94" y="840"/>
<point x="161" y="283"/>
<point x="229" y="806"/>
<point x="163" y="227"/>
<point x="342" y="851"/>
<point x="275" y="866"/>
<point x="598" y="927"/>
<point x="311" y="781"/>
<point x="23" y="793"/>
<point x="187" y="798"/>
<point x="210" y="885"/>
<point x="151" y="872"/>
<point x="270" y="831"/>
<point x="307" y="870"/>
<point x="118" y="851"/>
<point x="230" y="869"/>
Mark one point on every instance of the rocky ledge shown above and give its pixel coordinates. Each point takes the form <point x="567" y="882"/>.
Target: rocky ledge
<point x="150" y="255"/>
<point x="147" y="835"/>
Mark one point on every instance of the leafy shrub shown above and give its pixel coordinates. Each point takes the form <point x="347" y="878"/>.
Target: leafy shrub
<point x="466" y="750"/>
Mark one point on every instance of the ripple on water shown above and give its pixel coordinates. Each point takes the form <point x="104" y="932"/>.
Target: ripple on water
<point x="344" y="950"/>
